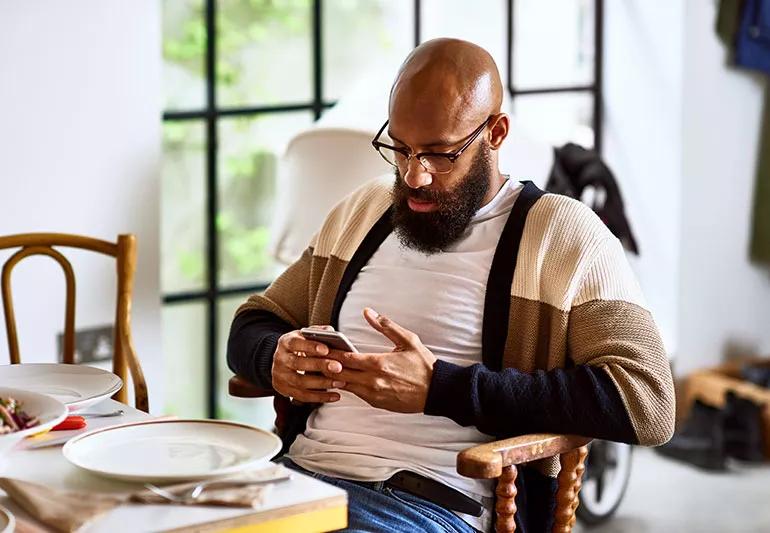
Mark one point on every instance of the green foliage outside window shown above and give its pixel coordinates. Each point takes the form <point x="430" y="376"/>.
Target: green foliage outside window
<point x="264" y="53"/>
<point x="247" y="163"/>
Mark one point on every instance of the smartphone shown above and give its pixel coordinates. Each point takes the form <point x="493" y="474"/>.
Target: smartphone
<point x="333" y="339"/>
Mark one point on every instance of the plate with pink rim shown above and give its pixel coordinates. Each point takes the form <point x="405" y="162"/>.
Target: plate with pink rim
<point x="158" y="451"/>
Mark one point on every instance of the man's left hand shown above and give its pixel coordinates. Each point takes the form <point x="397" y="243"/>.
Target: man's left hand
<point x="397" y="381"/>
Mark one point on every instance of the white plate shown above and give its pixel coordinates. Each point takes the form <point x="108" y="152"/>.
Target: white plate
<point x="48" y="410"/>
<point x="76" y="386"/>
<point x="172" y="450"/>
<point x="7" y="522"/>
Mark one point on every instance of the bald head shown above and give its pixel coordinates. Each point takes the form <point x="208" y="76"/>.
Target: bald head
<point x="449" y="79"/>
<point x="446" y="102"/>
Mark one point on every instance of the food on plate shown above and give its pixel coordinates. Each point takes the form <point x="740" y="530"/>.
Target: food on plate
<point x="13" y="418"/>
<point x="71" y="422"/>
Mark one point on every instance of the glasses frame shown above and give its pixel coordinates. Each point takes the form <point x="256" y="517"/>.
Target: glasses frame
<point x="406" y="152"/>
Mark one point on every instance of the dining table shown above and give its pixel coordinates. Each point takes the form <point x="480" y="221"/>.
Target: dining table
<point x="301" y="504"/>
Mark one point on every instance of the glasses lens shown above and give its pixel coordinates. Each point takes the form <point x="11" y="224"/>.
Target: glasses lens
<point x="436" y="164"/>
<point x="391" y="156"/>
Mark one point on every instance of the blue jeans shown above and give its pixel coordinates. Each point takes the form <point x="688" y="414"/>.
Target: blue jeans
<point x="373" y="507"/>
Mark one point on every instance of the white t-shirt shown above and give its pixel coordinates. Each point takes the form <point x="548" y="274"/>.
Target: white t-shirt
<point x="441" y="298"/>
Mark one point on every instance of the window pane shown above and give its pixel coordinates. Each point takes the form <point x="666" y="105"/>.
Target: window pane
<point x="248" y="160"/>
<point x="184" y="47"/>
<point x="553" y="43"/>
<point x="457" y="18"/>
<point x="557" y="118"/>
<point x="183" y="213"/>
<point x="361" y="39"/>
<point x="264" y="52"/>
<point x="256" y="411"/>
<point x="184" y="359"/>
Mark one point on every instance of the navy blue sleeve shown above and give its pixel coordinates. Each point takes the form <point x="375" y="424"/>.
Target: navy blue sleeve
<point x="250" y="347"/>
<point x="581" y="400"/>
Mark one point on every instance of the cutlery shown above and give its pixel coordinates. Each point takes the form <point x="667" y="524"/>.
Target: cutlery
<point x="190" y="495"/>
<point x="117" y="412"/>
<point x="223" y="483"/>
<point x="163" y="493"/>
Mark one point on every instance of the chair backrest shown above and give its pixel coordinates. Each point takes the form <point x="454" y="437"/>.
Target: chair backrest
<point x="320" y="167"/>
<point x="124" y="251"/>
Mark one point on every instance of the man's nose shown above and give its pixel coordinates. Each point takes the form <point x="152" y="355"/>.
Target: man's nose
<point x="416" y="176"/>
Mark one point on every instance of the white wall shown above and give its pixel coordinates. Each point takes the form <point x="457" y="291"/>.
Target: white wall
<point x="79" y="153"/>
<point x="681" y="136"/>
<point x="643" y="98"/>
<point x="724" y="301"/>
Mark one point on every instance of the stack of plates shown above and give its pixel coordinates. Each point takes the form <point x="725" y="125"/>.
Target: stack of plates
<point x="156" y="451"/>
<point x="76" y="386"/>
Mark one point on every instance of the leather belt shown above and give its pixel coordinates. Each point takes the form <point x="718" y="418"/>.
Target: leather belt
<point x="435" y="492"/>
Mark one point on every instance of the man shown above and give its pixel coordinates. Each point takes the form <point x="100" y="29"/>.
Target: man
<point x="481" y="308"/>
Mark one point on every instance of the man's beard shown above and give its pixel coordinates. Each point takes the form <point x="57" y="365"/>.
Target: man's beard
<point x="434" y="231"/>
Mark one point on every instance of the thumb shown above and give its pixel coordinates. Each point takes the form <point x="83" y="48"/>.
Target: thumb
<point x="397" y="334"/>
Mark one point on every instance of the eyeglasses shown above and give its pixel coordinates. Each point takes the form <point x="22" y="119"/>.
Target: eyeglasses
<point x="433" y="162"/>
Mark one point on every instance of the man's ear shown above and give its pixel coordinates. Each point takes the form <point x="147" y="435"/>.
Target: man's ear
<point x="498" y="130"/>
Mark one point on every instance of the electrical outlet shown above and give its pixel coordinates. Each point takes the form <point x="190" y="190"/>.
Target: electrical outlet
<point x="91" y="344"/>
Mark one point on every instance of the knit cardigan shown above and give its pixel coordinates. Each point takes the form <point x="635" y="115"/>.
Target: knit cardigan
<point x="568" y="345"/>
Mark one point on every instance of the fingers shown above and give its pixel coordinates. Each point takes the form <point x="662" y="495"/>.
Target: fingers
<point x="300" y="377"/>
<point x="373" y="317"/>
<point x="310" y="396"/>
<point x="396" y="334"/>
<point x="357" y="361"/>
<point x="312" y="381"/>
<point x="295" y="342"/>
<point x="308" y="388"/>
<point x="313" y="364"/>
<point x="350" y="376"/>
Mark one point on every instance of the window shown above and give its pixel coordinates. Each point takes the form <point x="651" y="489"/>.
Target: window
<point x="231" y="107"/>
<point x="554" y="69"/>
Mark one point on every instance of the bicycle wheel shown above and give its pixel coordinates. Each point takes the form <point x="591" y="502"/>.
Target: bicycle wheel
<point x="608" y="469"/>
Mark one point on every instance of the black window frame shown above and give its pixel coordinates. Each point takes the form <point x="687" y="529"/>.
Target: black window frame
<point x="211" y="113"/>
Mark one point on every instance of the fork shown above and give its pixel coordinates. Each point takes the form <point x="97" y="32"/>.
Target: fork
<point x="116" y="412"/>
<point x="198" y="489"/>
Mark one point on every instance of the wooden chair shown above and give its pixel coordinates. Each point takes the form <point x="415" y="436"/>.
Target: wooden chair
<point x="124" y="251"/>
<point x="493" y="460"/>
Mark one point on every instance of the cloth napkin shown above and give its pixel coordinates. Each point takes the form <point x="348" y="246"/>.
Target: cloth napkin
<point x="70" y="510"/>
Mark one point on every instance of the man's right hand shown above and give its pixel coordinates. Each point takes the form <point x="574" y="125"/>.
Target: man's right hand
<point x="295" y="353"/>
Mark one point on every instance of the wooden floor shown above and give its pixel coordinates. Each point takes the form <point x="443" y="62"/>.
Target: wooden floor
<point x="668" y="496"/>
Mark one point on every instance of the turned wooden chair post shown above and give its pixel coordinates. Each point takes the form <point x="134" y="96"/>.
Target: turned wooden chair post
<point x="494" y="460"/>
<point x="500" y="459"/>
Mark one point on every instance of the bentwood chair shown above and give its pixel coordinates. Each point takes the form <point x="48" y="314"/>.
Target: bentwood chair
<point x="494" y="460"/>
<point x="124" y="251"/>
